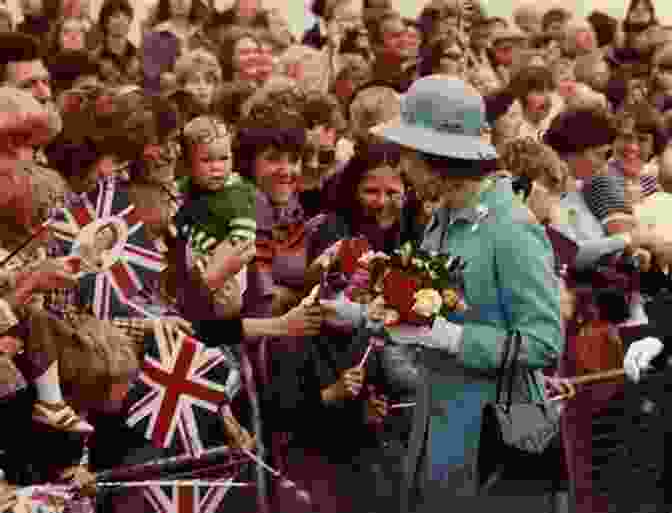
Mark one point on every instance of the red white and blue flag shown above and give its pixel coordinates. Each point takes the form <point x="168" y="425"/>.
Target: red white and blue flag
<point x="110" y="291"/>
<point x="181" y="386"/>
<point x="187" y="498"/>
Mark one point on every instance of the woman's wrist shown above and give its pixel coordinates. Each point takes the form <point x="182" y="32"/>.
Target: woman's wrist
<point x="329" y="395"/>
<point x="264" y="327"/>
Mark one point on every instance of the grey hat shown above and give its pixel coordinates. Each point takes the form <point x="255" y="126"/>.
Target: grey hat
<point x="442" y="116"/>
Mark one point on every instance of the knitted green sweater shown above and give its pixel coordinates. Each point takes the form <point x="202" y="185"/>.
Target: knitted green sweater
<point x="226" y="214"/>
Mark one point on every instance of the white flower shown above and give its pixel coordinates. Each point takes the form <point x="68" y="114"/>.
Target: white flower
<point x="428" y="302"/>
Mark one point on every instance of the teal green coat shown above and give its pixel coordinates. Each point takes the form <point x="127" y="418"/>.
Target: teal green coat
<point x="510" y="283"/>
<point x="510" y="280"/>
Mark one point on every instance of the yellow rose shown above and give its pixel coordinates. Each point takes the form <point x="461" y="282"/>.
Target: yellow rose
<point x="428" y="302"/>
<point x="451" y="298"/>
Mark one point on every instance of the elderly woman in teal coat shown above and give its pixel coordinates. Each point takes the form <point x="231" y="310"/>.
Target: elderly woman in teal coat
<point x="510" y="284"/>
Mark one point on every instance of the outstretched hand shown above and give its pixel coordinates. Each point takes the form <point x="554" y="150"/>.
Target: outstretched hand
<point x="376" y="407"/>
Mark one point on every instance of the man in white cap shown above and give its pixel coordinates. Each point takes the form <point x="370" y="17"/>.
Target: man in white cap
<point x="510" y="284"/>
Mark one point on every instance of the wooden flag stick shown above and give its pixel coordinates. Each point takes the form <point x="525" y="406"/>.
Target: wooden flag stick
<point x="40" y="230"/>
<point x="569" y="384"/>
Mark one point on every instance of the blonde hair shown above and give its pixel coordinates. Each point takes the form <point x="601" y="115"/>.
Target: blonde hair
<point x="373" y="106"/>
<point x="197" y="60"/>
<point x="204" y="128"/>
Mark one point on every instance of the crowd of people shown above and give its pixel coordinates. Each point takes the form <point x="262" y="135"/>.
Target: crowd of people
<point x="535" y="148"/>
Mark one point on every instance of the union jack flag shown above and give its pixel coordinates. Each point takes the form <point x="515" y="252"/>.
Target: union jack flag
<point x="185" y="498"/>
<point x="109" y="292"/>
<point x="175" y="401"/>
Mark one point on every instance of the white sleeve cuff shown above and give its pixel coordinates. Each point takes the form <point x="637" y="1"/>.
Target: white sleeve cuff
<point x="447" y="335"/>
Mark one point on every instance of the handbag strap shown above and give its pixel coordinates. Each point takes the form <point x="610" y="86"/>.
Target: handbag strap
<point x="514" y="341"/>
<point x="517" y="343"/>
<point x="501" y="370"/>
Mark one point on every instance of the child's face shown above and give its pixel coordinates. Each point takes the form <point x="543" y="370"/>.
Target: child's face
<point x="211" y="163"/>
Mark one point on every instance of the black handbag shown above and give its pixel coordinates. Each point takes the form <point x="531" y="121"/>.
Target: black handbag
<point x="519" y="441"/>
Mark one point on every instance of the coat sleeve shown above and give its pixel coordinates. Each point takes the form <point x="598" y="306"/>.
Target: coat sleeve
<point x="529" y="302"/>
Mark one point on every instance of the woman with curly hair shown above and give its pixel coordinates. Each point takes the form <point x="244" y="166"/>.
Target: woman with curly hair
<point x="268" y="150"/>
<point x="118" y="58"/>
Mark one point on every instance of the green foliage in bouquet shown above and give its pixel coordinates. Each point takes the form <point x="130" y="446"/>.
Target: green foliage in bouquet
<point x="443" y="273"/>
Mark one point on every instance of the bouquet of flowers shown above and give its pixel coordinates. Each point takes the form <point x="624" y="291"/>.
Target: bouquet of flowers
<point x="418" y="285"/>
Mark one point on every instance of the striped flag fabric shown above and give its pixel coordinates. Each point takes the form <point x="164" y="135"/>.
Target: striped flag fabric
<point x="138" y="263"/>
<point x="175" y="401"/>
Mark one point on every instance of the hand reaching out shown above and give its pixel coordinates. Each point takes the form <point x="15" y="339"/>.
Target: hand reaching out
<point x="303" y="321"/>
<point x="227" y="260"/>
<point x="176" y="324"/>
<point x="241" y="438"/>
<point x="348" y="386"/>
<point x="376" y="407"/>
<point x="328" y="257"/>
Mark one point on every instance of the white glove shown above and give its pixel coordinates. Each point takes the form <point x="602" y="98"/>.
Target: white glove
<point x="446" y="335"/>
<point x="639" y="356"/>
<point x="344" y="310"/>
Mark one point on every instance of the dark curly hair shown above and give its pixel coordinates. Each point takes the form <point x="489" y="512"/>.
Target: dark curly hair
<point x="574" y="131"/>
<point x="268" y="125"/>
<point x="367" y="157"/>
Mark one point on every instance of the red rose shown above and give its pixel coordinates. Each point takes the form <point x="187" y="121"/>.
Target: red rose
<point x="399" y="289"/>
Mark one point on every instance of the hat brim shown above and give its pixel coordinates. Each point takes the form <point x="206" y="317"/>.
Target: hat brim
<point x="430" y="141"/>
